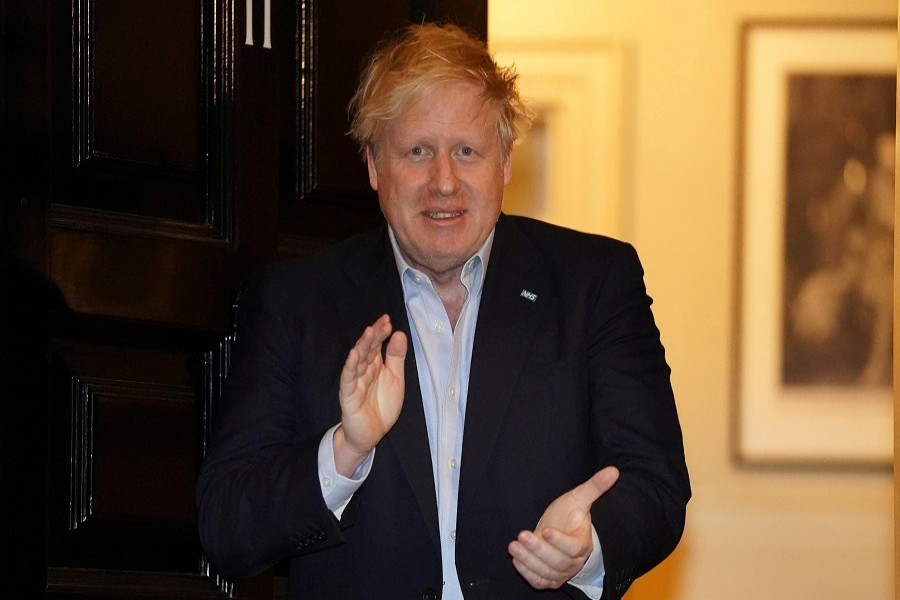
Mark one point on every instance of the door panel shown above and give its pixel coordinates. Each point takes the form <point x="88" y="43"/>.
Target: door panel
<point x="143" y="117"/>
<point x="131" y="406"/>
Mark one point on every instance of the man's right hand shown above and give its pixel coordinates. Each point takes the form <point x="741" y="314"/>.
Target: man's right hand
<point x="371" y="394"/>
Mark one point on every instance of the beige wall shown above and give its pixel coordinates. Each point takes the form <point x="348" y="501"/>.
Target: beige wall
<point x="773" y="534"/>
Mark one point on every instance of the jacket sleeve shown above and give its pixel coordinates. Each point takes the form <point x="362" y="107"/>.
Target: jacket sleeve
<point x="635" y="428"/>
<point x="258" y="495"/>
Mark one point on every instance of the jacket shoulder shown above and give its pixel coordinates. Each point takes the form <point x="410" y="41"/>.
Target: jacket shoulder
<point x="286" y="281"/>
<point x="569" y="246"/>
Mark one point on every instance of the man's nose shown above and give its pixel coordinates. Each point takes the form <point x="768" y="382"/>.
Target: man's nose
<point x="443" y="174"/>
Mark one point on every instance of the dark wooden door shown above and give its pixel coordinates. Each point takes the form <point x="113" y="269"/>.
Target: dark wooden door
<point x="154" y="152"/>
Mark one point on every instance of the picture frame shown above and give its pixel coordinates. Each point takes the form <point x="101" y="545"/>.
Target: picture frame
<point x="814" y="244"/>
<point x="575" y="86"/>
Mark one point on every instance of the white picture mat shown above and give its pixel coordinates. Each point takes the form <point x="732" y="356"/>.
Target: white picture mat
<point x="780" y="423"/>
<point x="575" y="152"/>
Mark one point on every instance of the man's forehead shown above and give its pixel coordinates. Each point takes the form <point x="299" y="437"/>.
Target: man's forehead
<point x="438" y="108"/>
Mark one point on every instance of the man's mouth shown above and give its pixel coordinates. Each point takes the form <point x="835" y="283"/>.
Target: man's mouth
<point x="444" y="215"/>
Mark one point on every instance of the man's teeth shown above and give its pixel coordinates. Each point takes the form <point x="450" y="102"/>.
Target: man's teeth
<point x="444" y="215"/>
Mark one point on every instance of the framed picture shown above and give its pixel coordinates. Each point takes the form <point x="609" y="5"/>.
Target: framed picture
<point x="575" y="86"/>
<point x="815" y="244"/>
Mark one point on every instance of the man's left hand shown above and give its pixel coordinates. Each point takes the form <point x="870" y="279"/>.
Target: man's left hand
<point x="561" y="543"/>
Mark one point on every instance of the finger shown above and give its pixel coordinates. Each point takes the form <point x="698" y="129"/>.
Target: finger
<point x="348" y="373"/>
<point x="525" y="564"/>
<point x="369" y="343"/>
<point x="533" y="579"/>
<point x="531" y="566"/>
<point x="360" y="355"/>
<point x="542" y="557"/>
<point x="599" y="483"/>
<point x="382" y="328"/>
<point x="575" y="547"/>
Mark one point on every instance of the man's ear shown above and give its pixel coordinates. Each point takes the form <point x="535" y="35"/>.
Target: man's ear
<point x="373" y="170"/>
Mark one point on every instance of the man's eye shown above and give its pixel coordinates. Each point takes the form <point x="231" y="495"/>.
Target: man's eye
<point x="417" y="151"/>
<point x="467" y="151"/>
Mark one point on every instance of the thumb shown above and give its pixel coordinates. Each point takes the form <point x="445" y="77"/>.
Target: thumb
<point x="599" y="483"/>
<point x="395" y="352"/>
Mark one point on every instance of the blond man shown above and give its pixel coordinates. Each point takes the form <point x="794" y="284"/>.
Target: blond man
<point x="503" y="424"/>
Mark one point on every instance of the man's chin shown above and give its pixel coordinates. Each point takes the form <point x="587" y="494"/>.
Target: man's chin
<point x="441" y="262"/>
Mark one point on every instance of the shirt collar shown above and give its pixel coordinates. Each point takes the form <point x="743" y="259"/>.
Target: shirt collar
<point x="481" y="256"/>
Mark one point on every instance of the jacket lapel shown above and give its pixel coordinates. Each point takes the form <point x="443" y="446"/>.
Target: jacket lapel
<point x="508" y="321"/>
<point x="380" y="291"/>
<point x="511" y="308"/>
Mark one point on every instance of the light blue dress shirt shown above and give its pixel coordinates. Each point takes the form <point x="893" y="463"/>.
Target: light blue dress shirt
<point x="444" y="379"/>
<point x="443" y="359"/>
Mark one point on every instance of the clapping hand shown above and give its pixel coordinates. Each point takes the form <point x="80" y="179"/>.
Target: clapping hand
<point x="561" y="543"/>
<point x="371" y="393"/>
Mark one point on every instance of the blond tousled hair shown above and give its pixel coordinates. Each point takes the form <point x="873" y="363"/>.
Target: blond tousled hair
<point x="425" y="56"/>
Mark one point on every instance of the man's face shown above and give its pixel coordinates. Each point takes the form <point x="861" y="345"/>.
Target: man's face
<point x="440" y="174"/>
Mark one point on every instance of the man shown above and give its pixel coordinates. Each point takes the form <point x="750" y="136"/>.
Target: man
<point x="503" y="427"/>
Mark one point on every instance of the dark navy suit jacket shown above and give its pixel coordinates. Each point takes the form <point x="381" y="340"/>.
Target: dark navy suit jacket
<point x="568" y="376"/>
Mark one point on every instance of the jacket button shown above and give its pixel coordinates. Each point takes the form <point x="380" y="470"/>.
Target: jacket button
<point x="429" y="594"/>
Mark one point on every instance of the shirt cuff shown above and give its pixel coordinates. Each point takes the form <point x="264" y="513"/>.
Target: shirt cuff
<point x="590" y="579"/>
<point x="337" y="490"/>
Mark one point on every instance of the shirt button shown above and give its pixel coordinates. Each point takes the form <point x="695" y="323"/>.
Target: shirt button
<point x="452" y="463"/>
<point x="453" y="535"/>
<point x="417" y="279"/>
<point x="326" y="482"/>
<point x="439" y="328"/>
<point x="452" y="391"/>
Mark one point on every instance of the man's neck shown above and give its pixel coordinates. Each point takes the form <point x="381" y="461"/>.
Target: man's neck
<point x="453" y="295"/>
